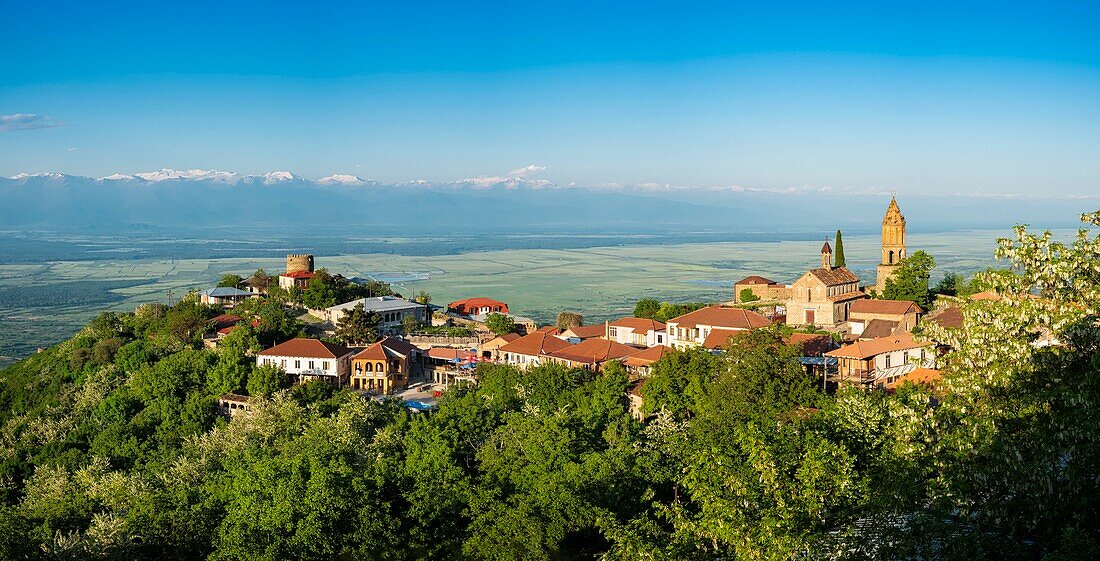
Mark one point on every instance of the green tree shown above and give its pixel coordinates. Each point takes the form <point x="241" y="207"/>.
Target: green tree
<point x="187" y="320"/>
<point x="230" y="280"/>
<point x="409" y="324"/>
<point x="910" y="280"/>
<point x="646" y="308"/>
<point x="499" y="324"/>
<point x="422" y="297"/>
<point x="838" y="251"/>
<point x="265" y="380"/>
<point x="358" y="326"/>
<point x="260" y="279"/>
<point x="321" y="291"/>
<point x="949" y="284"/>
<point x="747" y="296"/>
<point x="1016" y="432"/>
<point x="568" y="320"/>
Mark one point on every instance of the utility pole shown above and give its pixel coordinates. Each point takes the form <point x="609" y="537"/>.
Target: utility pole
<point x="169" y="297"/>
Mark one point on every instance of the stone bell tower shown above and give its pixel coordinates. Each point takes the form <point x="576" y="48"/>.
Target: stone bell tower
<point x="893" y="244"/>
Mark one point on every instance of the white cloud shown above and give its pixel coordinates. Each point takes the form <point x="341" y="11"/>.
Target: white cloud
<point x="27" y="121"/>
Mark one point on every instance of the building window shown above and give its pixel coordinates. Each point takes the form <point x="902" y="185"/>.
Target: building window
<point x="282" y="364"/>
<point x="324" y="365"/>
<point x="612" y="332"/>
<point x="887" y="361"/>
<point x="297" y="364"/>
<point x="311" y="365"/>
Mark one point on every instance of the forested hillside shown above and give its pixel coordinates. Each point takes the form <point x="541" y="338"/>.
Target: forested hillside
<point x="111" y="448"/>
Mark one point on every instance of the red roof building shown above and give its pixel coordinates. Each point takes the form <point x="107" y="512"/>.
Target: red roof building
<point x="477" y="307"/>
<point x="526" y="350"/>
<point x="693" y="328"/>
<point x="309" y="359"/>
<point x="591" y="353"/>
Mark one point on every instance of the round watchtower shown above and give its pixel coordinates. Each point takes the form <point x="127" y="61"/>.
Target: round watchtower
<point x="299" y="263"/>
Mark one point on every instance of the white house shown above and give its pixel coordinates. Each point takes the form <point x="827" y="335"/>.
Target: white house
<point x="693" y="328"/>
<point x="391" y="309"/>
<point x="309" y="359"/>
<point x="637" y="332"/>
<point x="224" y="296"/>
<point x="878" y="362"/>
<point x="529" y="349"/>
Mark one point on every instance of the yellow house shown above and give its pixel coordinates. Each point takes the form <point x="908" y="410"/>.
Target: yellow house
<point x="383" y="367"/>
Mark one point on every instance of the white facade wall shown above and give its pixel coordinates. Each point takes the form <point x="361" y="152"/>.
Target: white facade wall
<point x="682" y="337"/>
<point x="627" y="336"/>
<point x="923" y="357"/>
<point x="309" y="367"/>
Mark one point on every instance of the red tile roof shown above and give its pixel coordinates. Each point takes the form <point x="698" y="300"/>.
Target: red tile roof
<point x="835" y="276"/>
<point x="447" y="353"/>
<point x="864" y="350"/>
<point x="951" y="316"/>
<point x="920" y="377"/>
<point x="587" y="331"/>
<point x="645" y="357"/>
<point x="718" y="338"/>
<point x="548" y="329"/>
<point x="469" y="306"/>
<point x="307" y="348"/>
<point x="387" y="348"/>
<point x="535" y="344"/>
<point x="891" y="307"/>
<point x="639" y="325"/>
<point x="812" y="344"/>
<point x="300" y="275"/>
<point x="718" y="316"/>
<point x="754" y="279"/>
<point x="877" y="328"/>
<point x="594" y="351"/>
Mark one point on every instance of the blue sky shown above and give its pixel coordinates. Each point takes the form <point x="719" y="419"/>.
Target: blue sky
<point x="919" y="97"/>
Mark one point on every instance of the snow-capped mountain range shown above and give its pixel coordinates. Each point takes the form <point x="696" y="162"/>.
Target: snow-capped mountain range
<point x="173" y="176"/>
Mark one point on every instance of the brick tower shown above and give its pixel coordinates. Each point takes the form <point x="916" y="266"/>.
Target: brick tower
<point x="893" y="244"/>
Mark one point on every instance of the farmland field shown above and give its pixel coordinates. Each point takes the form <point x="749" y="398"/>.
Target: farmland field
<point x="43" y="303"/>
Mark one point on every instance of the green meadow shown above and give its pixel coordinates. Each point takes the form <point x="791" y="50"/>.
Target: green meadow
<point x="43" y="303"/>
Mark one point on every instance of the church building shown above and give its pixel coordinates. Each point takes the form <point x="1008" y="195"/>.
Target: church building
<point x="823" y="296"/>
<point x="893" y="244"/>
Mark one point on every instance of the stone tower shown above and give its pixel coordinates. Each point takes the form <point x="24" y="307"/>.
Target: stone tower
<point x="826" y="257"/>
<point x="301" y="263"/>
<point x="893" y="244"/>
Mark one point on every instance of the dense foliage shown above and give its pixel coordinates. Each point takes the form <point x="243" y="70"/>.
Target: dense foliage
<point x="499" y="324"/>
<point x="650" y="308"/>
<point x="325" y="290"/>
<point x="910" y="280"/>
<point x="111" y="448"/>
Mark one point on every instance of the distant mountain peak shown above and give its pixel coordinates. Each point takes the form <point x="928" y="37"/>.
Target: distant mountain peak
<point x="117" y="177"/>
<point x="19" y="176"/>
<point x="278" y="177"/>
<point x="342" y="179"/>
<point x="168" y="174"/>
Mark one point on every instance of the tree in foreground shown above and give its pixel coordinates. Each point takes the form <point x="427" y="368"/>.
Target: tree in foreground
<point x="231" y="280"/>
<point x="357" y="326"/>
<point x="646" y="308"/>
<point x="499" y="324"/>
<point x="746" y="295"/>
<point x="838" y="251"/>
<point x="910" y="280"/>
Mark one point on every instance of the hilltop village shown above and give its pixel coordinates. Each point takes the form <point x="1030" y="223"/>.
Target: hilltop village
<point x="359" y="334"/>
